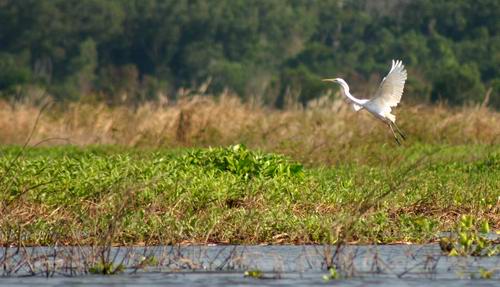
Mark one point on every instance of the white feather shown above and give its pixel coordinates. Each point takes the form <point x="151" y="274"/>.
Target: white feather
<point x="387" y="96"/>
<point x="389" y="92"/>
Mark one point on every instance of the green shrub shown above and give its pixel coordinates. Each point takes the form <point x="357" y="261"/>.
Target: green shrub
<point x="241" y="161"/>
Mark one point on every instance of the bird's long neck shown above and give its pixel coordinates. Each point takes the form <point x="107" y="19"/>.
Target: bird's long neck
<point x="345" y="90"/>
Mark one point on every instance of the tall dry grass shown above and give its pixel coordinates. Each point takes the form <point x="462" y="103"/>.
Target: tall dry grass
<point x="327" y="131"/>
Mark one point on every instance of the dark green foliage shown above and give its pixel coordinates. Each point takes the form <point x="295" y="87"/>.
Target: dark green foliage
<point x="10" y="73"/>
<point x="130" y="50"/>
<point x="466" y="85"/>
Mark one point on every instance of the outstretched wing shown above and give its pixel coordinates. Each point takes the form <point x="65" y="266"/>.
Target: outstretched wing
<point x="390" y="90"/>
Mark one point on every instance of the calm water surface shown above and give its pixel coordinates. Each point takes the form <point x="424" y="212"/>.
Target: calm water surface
<point x="388" y="265"/>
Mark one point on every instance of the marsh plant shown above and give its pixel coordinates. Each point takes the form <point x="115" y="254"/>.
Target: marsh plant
<point x="300" y="176"/>
<point x="120" y="196"/>
<point x="239" y="160"/>
<point x="324" y="133"/>
<point x="470" y="238"/>
<point x="332" y="274"/>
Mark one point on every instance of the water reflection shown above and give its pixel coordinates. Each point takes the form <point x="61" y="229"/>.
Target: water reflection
<point x="290" y="265"/>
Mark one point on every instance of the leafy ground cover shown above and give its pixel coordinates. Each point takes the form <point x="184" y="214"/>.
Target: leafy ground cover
<point x="233" y="194"/>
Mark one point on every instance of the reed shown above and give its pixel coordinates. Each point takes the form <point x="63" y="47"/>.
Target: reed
<point x="326" y="132"/>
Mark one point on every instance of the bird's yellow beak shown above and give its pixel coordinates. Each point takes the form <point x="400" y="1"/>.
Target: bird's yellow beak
<point x="328" y="80"/>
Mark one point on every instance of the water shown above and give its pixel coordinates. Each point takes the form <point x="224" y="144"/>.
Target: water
<point x="388" y="265"/>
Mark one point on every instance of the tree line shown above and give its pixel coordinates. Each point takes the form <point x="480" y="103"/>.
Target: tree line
<point x="136" y="50"/>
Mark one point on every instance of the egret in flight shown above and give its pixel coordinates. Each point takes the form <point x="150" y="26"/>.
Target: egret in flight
<point x="387" y="96"/>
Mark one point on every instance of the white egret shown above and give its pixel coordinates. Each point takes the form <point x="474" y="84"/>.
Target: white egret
<point x="387" y="96"/>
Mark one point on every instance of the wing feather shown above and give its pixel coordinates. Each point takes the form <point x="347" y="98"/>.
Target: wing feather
<point x="391" y="88"/>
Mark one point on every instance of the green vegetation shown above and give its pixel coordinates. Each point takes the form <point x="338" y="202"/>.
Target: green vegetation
<point x="106" y="269"/>
<point x="257" y="274"/>
<point x="239" y="161"/>
<point x="483" y="274"/>
<point x="125" y="51"/>
<point x="332" y="274"/>
<point x="109" y="195"/>
<point x="469" y="240"/>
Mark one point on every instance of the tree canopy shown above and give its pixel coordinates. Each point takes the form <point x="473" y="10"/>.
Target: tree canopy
<point x="259" y="48"/>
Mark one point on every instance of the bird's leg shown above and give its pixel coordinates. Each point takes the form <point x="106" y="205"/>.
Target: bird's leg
<point x="394" y="134"/>
<point x="403" y="136"/>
